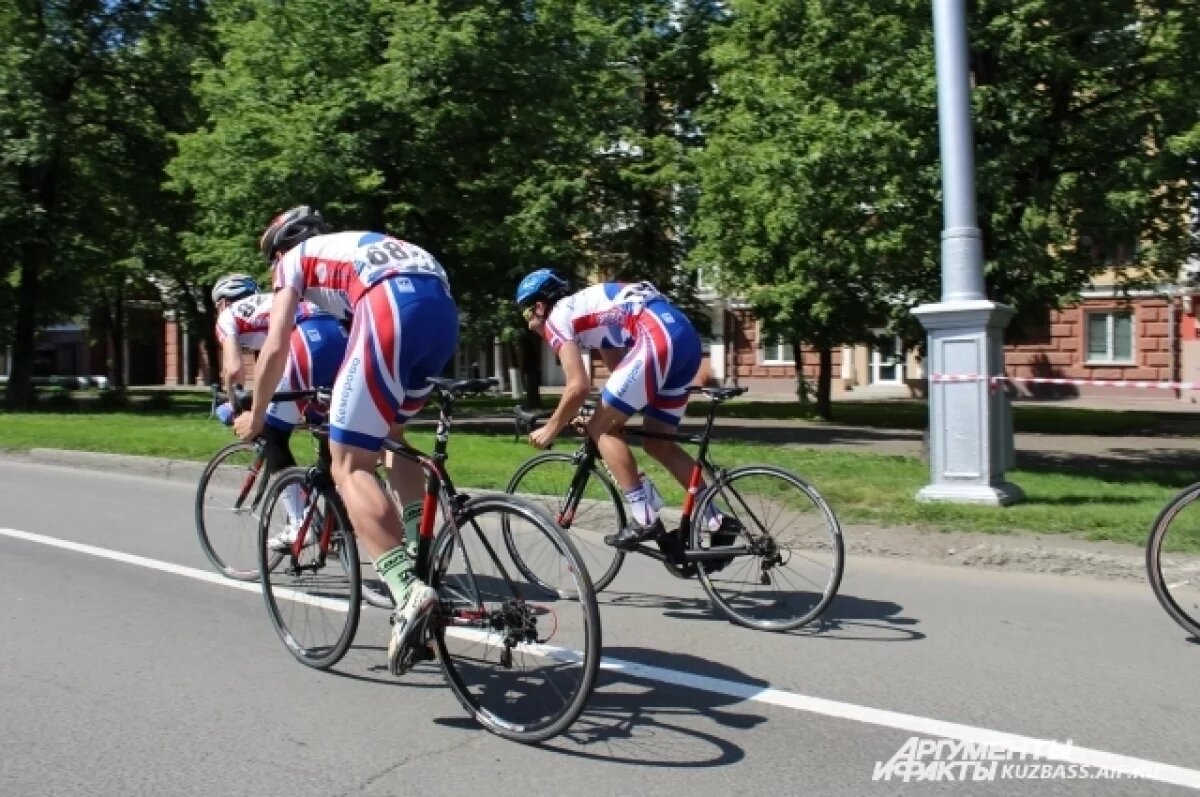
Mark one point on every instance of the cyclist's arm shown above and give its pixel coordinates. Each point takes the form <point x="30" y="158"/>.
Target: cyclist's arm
<point x="272" y="359"/>
<point x="576" y="389"/>
<point x="231" y="367"/>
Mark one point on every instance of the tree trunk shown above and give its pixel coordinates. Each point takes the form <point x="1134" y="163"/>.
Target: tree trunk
<point x="531" y="371"/>
<point x="116" y="339"/>
<point x="798" y="365"/>
<point x="19" y="394"/>
<point x="825" y="383"/>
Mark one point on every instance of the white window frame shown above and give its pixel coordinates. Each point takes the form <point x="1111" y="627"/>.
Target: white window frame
<point x="1109" y="359"/>
<point x="764" y="359"/>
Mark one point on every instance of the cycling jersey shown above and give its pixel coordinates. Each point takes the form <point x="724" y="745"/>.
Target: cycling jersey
<point x="248" y="319"/>
<point x="334" y="271"/>
<point x="316" y="348"/>
<point x="602" y="316"/>
<point x="664" y="349"/>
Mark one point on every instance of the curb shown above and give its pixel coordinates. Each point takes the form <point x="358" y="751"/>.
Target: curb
<point x="1028" y="553"/>
<point x="156" y="467"/>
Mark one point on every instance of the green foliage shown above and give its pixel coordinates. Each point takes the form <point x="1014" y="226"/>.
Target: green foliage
<point x="820" y="182"/>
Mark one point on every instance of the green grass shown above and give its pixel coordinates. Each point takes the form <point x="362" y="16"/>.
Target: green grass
<point x="1114" y="504"/>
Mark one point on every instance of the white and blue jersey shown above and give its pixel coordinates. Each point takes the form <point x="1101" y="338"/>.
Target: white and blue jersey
<point x="664" y="348"/>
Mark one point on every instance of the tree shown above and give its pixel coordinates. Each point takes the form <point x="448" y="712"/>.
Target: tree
<point x="78" y="171"/>
<point x="807" y="206"/>
<point x="820" y="185"/>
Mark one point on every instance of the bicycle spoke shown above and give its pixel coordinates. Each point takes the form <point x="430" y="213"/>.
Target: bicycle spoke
<point x="794" y="563"/>
<point x="507" y="648"/>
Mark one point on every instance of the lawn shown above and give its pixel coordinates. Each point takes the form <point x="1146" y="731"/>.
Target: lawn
<point x="1118" y="504"/>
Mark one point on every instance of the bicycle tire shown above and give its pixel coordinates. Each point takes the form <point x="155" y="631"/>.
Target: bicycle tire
<point x="463" y="629"/>
<point x="206" y="517"/>
<point x="1184" y="611"/>
<point x="773" y="557"/>
<point x="286" y="585"/>
<point x="602" y="560"/>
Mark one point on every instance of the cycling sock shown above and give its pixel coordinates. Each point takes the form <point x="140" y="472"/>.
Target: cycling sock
<point x="412" y="525"/>
<point x="396" y="569"/>
<point x="640" y="510"/>
<point x="293" y="504"/>
<point x="653" y="497"/>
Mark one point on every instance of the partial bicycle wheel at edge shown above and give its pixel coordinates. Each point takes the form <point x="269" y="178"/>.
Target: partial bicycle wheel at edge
<point x="544" y="480"/>
<point x="1173" y="559"/>
<point x="229" y="502"/>
<point x="522" y="659"/>
<point x="313" y="600"/>
<point x="792" y="550"/>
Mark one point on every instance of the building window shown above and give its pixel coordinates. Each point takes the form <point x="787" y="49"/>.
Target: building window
<point x="1110" y="337"/>
<point x="774" y="350"/>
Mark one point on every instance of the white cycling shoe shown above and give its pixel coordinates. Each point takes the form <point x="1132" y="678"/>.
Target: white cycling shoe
<point x="407" y="621"/>
<point x="282" y="542"/>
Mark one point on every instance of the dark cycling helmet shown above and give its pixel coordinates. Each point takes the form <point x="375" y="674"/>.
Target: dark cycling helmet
<point x="544" y="285"/>
<point x="232" y="287"/>
<point x="290" y="228"/>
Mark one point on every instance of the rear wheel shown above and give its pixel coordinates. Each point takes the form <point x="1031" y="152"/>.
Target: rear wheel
<point x="313" y="598"/>
<point x="229" y="502"/>
<point x="521" y="656"/>
<point x="786" y="561"/>
<point x="545" y="481"/>
<point x="1173" y="559"/>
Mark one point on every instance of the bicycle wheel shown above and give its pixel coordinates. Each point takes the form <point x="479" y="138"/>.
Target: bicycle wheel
<point x="229" y="501"/>
<point x="313" y="599"/>
<point x="521" y="658"/>
<point x="791" y="557"/>
<point x="1173" y="559"/>
<point x="544" y="480"/>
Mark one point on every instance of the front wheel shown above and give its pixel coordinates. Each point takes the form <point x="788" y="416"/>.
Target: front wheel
<point x="313" y="598"/>
<point x="545" y="481"/>
<point x="229" y="503"/>
<point x="1173" y="559"/>
<point x="520" y="656"/>
<point x="786" y="559"/>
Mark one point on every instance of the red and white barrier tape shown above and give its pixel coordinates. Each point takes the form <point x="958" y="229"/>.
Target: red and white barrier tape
<point x="1049" y="380"/>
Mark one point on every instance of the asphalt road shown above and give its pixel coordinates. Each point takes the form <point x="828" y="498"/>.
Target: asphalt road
<point x="128" y="668"/>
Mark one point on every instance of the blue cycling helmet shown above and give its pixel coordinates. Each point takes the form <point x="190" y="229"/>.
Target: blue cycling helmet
<point x="543" y="285"/>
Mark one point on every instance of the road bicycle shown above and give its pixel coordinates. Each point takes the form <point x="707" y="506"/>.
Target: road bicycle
<point x="780" y="573"/>
<point x="520" y="656"/>
<point x="229" y="502"/>
<point x="1173" y="558"/>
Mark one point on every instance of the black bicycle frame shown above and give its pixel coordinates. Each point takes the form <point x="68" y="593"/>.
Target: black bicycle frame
<point x="704" y="467"/>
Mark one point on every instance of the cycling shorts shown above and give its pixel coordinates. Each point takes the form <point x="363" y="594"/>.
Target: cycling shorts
<point x="662" y="362"/>
<point x="405" y="331"/>
<point x="318" y="346"/>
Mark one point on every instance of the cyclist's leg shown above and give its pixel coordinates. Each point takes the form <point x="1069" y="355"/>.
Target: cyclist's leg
<point x="625" y="393"/>
<point x="368" y="396"/>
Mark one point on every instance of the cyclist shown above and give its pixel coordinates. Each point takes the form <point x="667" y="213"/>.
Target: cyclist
<point x="404" y="331"/>
<point x="316" y="348"/>
<point x="653" y="355"/>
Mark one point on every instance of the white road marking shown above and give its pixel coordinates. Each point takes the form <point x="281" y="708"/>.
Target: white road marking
<point x="910" y="723"/>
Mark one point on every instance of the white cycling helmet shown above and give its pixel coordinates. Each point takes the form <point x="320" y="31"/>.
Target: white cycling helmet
<point x="232" y="287"/>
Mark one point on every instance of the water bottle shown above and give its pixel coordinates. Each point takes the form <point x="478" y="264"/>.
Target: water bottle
<point x="225" y="413"/>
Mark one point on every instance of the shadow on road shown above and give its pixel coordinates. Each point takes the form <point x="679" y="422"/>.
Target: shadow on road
<point x="848" y="618"/>
<point x="853" y="619"/>
<point x="648" y="723"/>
